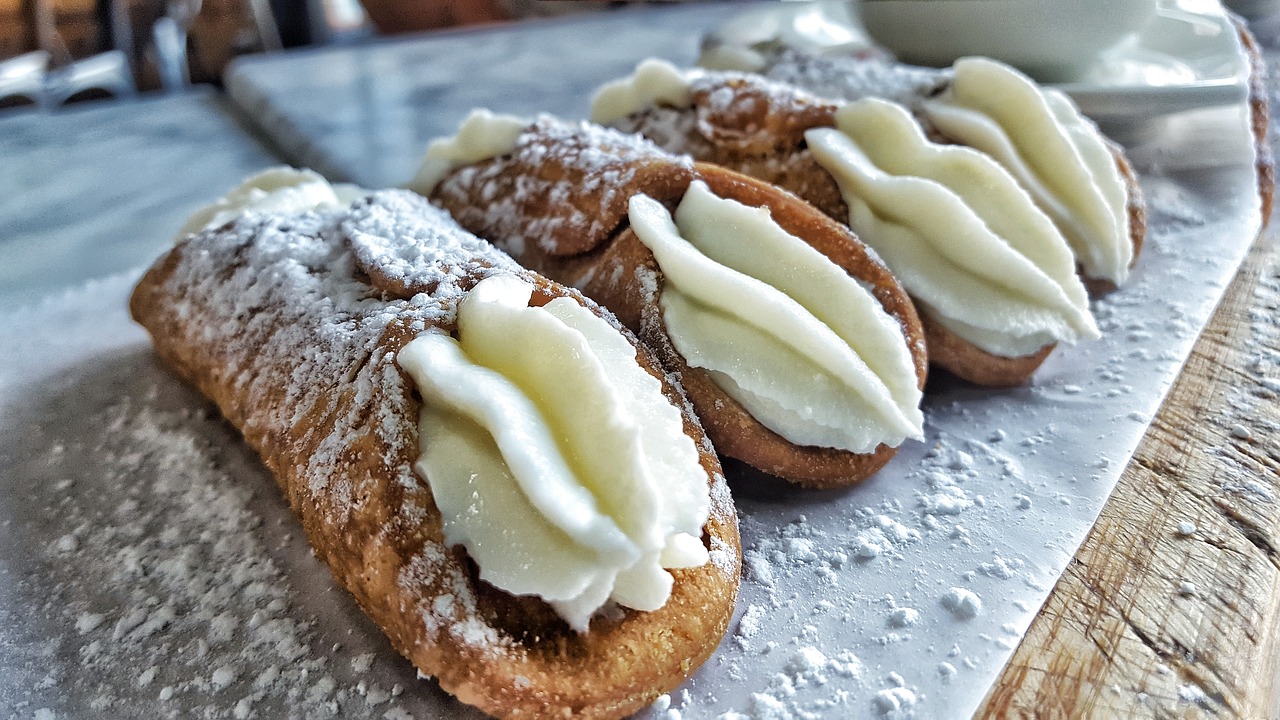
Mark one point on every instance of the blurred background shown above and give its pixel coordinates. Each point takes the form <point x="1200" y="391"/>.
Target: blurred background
<point x="54" y="52"/>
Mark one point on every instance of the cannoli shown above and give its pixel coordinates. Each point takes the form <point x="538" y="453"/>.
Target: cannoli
<point x="800" y="352"/>
<point x="496" y="470"/>
<point x="934" y="94"/>
<point x="991" y="272"/>
<point x="1073" y="173"/>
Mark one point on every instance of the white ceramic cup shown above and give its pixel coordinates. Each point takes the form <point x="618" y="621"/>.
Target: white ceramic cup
<point x="1051" y="40"/>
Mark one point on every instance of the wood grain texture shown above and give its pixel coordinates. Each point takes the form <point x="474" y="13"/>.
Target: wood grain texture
<point x="1150" y="620"/>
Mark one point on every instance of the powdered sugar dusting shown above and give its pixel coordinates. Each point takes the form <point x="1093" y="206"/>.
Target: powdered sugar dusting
<point x="181" y="575"/>
<point x="584" y="171"/>
<point x="414" y="245"/>
<point x="346" y="277"/>
<point x="852" y="78"/>
<point x="363" y="280"/>
<point x="742" y="101"/>
<point x="809" y="685"/>
<point x="672" y="129"/>
<point x="964" y="604"/>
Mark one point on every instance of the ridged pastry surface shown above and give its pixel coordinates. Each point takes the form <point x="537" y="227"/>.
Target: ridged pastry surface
<point x="291" y="323"/>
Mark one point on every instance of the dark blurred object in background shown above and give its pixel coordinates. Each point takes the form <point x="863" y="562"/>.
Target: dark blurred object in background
<point x="398" y="16"/>
<point x="57" y="51"/>
<point x="393" y="16"/>
<point x="119" y="45"/>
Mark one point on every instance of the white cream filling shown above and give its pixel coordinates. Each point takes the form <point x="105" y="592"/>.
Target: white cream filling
<point x="279" y="190"/>
<point x="803" y="347"/>
<point x="554" y="457"/>
<point x="654" y="83"/>
<point x="482" y="135"/>
<point x="1056" y="153"/>
<point x="958" y="232"/>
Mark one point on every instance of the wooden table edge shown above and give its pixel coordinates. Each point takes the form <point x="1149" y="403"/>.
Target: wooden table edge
<point x="1150" y="620"/>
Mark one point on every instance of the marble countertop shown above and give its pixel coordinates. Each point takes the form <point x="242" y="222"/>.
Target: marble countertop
<point x="364" y="113"/>
<point x="101" y="188"/>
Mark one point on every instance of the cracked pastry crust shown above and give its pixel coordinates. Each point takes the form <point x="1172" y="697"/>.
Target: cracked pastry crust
<point x="558" y="202"/>
<point x="291" y="323"/>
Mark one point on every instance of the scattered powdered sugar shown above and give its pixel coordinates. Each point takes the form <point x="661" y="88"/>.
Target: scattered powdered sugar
<point x="880" y="534"/>
<point x="852" y="78"/>
<point x="808" y="673"/>
<point x="793" y="548"/>
<point x="1192" y="694"/>
<point x="1000" y="567"/>
<point x="950" y="464"/>
<point x="517" y="203"/>
<point x="903" y="617"/>
<point x="180" y="583"/>
<point x="963" y="604"/>
<point x="896" y="702"/>
<point x="361" y="664"/>
<point x="749" y="626"/>
<point x="891" y="538"/>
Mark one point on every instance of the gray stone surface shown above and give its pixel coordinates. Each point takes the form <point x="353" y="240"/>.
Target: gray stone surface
<point x="102" y="188"/>
<point x="365" y="113"/>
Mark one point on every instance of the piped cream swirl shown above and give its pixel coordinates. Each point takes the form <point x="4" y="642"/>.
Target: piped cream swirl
<point x="1053" y="151"/>
<point x="480" y="136"/>
<point x="1037" y="134"/>
<point x="959" y="233"/>
<point x="274" y="190"/>
<point x="554" y="457"/>
<point x="655" y="83"/>
<point x="780" y="328"/>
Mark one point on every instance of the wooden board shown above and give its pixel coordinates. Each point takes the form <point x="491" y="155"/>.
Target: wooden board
<point x="1150" y="620"/>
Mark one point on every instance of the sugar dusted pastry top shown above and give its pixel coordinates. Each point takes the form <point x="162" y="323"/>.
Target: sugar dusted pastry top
<point x="589" y="196"/>
<point x="296" y="238"/>
<point x="291" y="323"/>
<point x="846" y="78"/>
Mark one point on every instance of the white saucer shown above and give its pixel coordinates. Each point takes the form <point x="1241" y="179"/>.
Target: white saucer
<point x="1188" y="57"/>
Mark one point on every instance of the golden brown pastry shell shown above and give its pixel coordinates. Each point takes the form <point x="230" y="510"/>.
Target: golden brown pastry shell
<point x="382" y="537"/>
